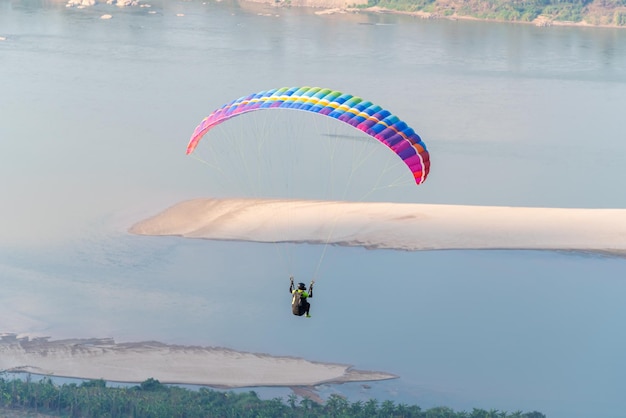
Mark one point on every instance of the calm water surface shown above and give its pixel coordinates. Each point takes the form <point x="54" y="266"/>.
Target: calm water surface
<point x="95" y="119"/>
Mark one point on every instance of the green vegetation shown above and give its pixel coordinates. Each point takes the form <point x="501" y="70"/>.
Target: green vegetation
<point x="153" y="399"/>
<point x="595" y="12"/>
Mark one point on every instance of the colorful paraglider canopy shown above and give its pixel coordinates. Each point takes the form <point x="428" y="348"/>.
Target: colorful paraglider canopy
<point x="375" y="121"/>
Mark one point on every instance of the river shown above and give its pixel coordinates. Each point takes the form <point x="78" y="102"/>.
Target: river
<point x="96" y="114"/>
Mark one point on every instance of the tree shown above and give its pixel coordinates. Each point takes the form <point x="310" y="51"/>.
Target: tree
<point x="151" y="385"/>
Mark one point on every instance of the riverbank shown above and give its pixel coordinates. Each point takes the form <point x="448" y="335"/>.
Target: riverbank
<point x="596" y="14"/>
<point x="540" y="21"/>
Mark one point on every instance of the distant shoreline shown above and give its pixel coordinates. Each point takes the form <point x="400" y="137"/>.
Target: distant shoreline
<point x="329" y="7"/>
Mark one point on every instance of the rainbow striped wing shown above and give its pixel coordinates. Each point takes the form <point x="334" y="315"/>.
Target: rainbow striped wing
<point x="363" y="115"/>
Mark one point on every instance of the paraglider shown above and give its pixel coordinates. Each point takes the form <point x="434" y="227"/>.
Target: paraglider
<point x="372" y="119"/>
<point x="377" y="123"/>
<point x="299" y="303"/>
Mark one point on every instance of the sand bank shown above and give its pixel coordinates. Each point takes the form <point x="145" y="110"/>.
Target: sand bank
<point x="136" y="362"/>
<point x="398" y="226"/>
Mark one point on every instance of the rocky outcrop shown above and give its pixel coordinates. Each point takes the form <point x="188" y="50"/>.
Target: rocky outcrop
<point x="87" y="3"/>
<point x="323" y="4"/>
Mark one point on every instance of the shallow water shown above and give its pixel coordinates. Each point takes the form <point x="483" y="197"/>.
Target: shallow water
<point x="94" y="126"/>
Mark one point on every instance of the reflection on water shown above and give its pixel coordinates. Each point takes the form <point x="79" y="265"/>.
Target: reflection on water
<point x="94" y="127"/>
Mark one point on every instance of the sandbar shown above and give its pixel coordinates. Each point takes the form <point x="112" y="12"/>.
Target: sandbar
<point x="176" y="364"/>
<point x="399" y="226"/>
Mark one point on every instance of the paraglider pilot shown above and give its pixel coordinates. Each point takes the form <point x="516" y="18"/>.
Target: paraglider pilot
<point x="299" y="304"/>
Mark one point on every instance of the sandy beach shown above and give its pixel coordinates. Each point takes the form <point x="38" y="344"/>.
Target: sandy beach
<point x="136" y="362"/>
<point x="400" y="226"/>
